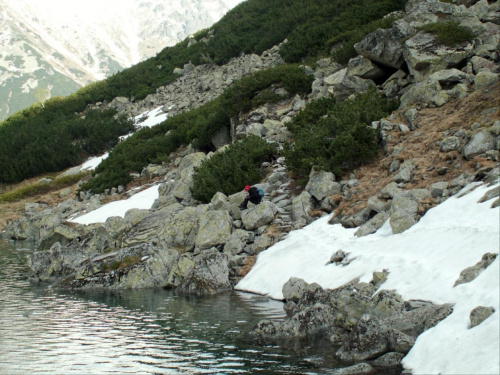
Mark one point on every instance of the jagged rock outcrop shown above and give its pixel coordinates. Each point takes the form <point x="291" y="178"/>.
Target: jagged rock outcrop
<point x="362" y="323"/>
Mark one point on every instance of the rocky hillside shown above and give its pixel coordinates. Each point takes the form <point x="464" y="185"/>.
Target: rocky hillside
<point x="445" y="134"/>
<point x="60" y="47"/>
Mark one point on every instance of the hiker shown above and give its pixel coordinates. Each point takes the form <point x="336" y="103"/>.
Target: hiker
<point x="254" y="195"/>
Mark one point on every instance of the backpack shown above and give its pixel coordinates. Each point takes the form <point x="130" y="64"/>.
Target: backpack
<point x="261" y="192"/>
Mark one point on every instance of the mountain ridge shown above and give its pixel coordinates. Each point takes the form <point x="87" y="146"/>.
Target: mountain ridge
<point x="60" y="49"/>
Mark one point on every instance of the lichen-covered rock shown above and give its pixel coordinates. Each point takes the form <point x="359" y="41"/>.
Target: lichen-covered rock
<point x="364" y="68"/>
<point x="301" y="206"/>
<point x="369" y="339"/>
<point x="180" y="231"/>
<point x="425" y="56"/>
<point x="450" y="144"/>
<point x="322" y="184"/>
<point x="206" y="273"/>
<point x="384" y="46"/>
<point x="372" y="225"/>
<point x="480" y="314"/>
<point x="358" y="369"/>
<point x="214" y="229"/>
<point x="294" y="288"/>
<point x="470" y="273"/>
<point x="403" y="214"/>
<point x="20" y="229"/>
<point x="258" y="215"/>
<point x="479" y="143"/>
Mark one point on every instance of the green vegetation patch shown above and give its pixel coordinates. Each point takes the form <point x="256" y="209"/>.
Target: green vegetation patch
<point x="449" y="33"/>
<point x="335" y="136"/>
<point x="41" y="188"/>
<point x="230" y="170"/>
<point x="197" y="126"/>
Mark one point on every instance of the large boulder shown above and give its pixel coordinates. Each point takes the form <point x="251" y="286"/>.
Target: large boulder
<point x="362" y="67"/>
<point x="301" y="206"/>
<point x="205" y="273"/>
<point x="383" y="46"/>
<point x="438" y="89"/>
<point x="322" y="184"/>
<point x="479" y="143"/>
<point x="425" y="56"/>
<point x="372" y="225"/>
<point x="258" y="215"/>
<point x="214" y="229"/>
<point x="403" y="213"/>
<point x="181" y="230"/>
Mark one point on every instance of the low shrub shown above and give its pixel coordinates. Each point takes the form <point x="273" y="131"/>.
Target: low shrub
<point x="230" y="170"/>
<point x="449" y="33"/>
<point x="335" y="136"/>
<point x="41" y="188"/>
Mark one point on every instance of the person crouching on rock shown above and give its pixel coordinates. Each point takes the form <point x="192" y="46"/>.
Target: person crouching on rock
<point x="253" y="195"/>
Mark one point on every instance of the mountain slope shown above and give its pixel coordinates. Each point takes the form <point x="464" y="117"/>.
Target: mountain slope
<point x="60" y="46"/>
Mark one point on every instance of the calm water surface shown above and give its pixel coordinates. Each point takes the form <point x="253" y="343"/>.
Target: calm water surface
<point x="43" y="331"/>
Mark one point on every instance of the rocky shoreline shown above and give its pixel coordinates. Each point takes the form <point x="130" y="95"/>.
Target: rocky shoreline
<point x="207" y="248"/>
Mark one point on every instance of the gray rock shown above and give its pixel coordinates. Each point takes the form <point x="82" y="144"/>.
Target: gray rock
<point x="490" y="194"/>
<point x="379" y="277"/>
<point x="438" y="188"/>
<point x="369" y="339"/>
<point x="294" y="289"/>
<point x="181" y="229"/>
<point x="214" y="229"/>
<point x="450" y="144"/>
<point x="206" y="273"/>
<point x="424" y="56"/>
<point x="484" y="79"/>
<point x="395" y="164"/>
<point x="261" y="243"/>
<point x="364" y="68"/>
<point x="403" y="214"/>
<point x="301" y="206"/>
<point x="338" y="257"/>
<point x="390" y="191"/>
<point x="355" y="220"/>
<point x="372" y="225"/>
<point x="258" y="215"/>
<point x="358" y="369"/>
<point x="480" y="314"/>
<point x="322" y="184"/>
<point x="405" y="173"/>
<point x="479" y="143"/>
<point x="384" y="46"/>
<point x="378" y="205"/>
<point x="391" y="359"/>
<point x="470" y="273"/>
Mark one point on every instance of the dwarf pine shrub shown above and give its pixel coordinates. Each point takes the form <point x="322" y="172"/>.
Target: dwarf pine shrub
<point x="335" y="136"/>
<point x="449" y="33"/>
<point x="230" y="170"/>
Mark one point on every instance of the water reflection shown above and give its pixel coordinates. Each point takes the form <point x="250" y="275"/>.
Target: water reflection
<point x="134" y="332"/>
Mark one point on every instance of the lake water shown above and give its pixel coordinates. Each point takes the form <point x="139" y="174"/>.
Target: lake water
<point x="43" y="331"/>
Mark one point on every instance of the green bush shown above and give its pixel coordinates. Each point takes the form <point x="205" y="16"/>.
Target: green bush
<point x="229" y="171"/>
<point x="335" y="136"/>
<point x="41" y="188"/>
<point x="449" y="33"/>
<point x="197" y="126"/>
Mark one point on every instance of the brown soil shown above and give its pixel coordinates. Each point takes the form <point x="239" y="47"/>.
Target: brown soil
<point x="481" y="107"/>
